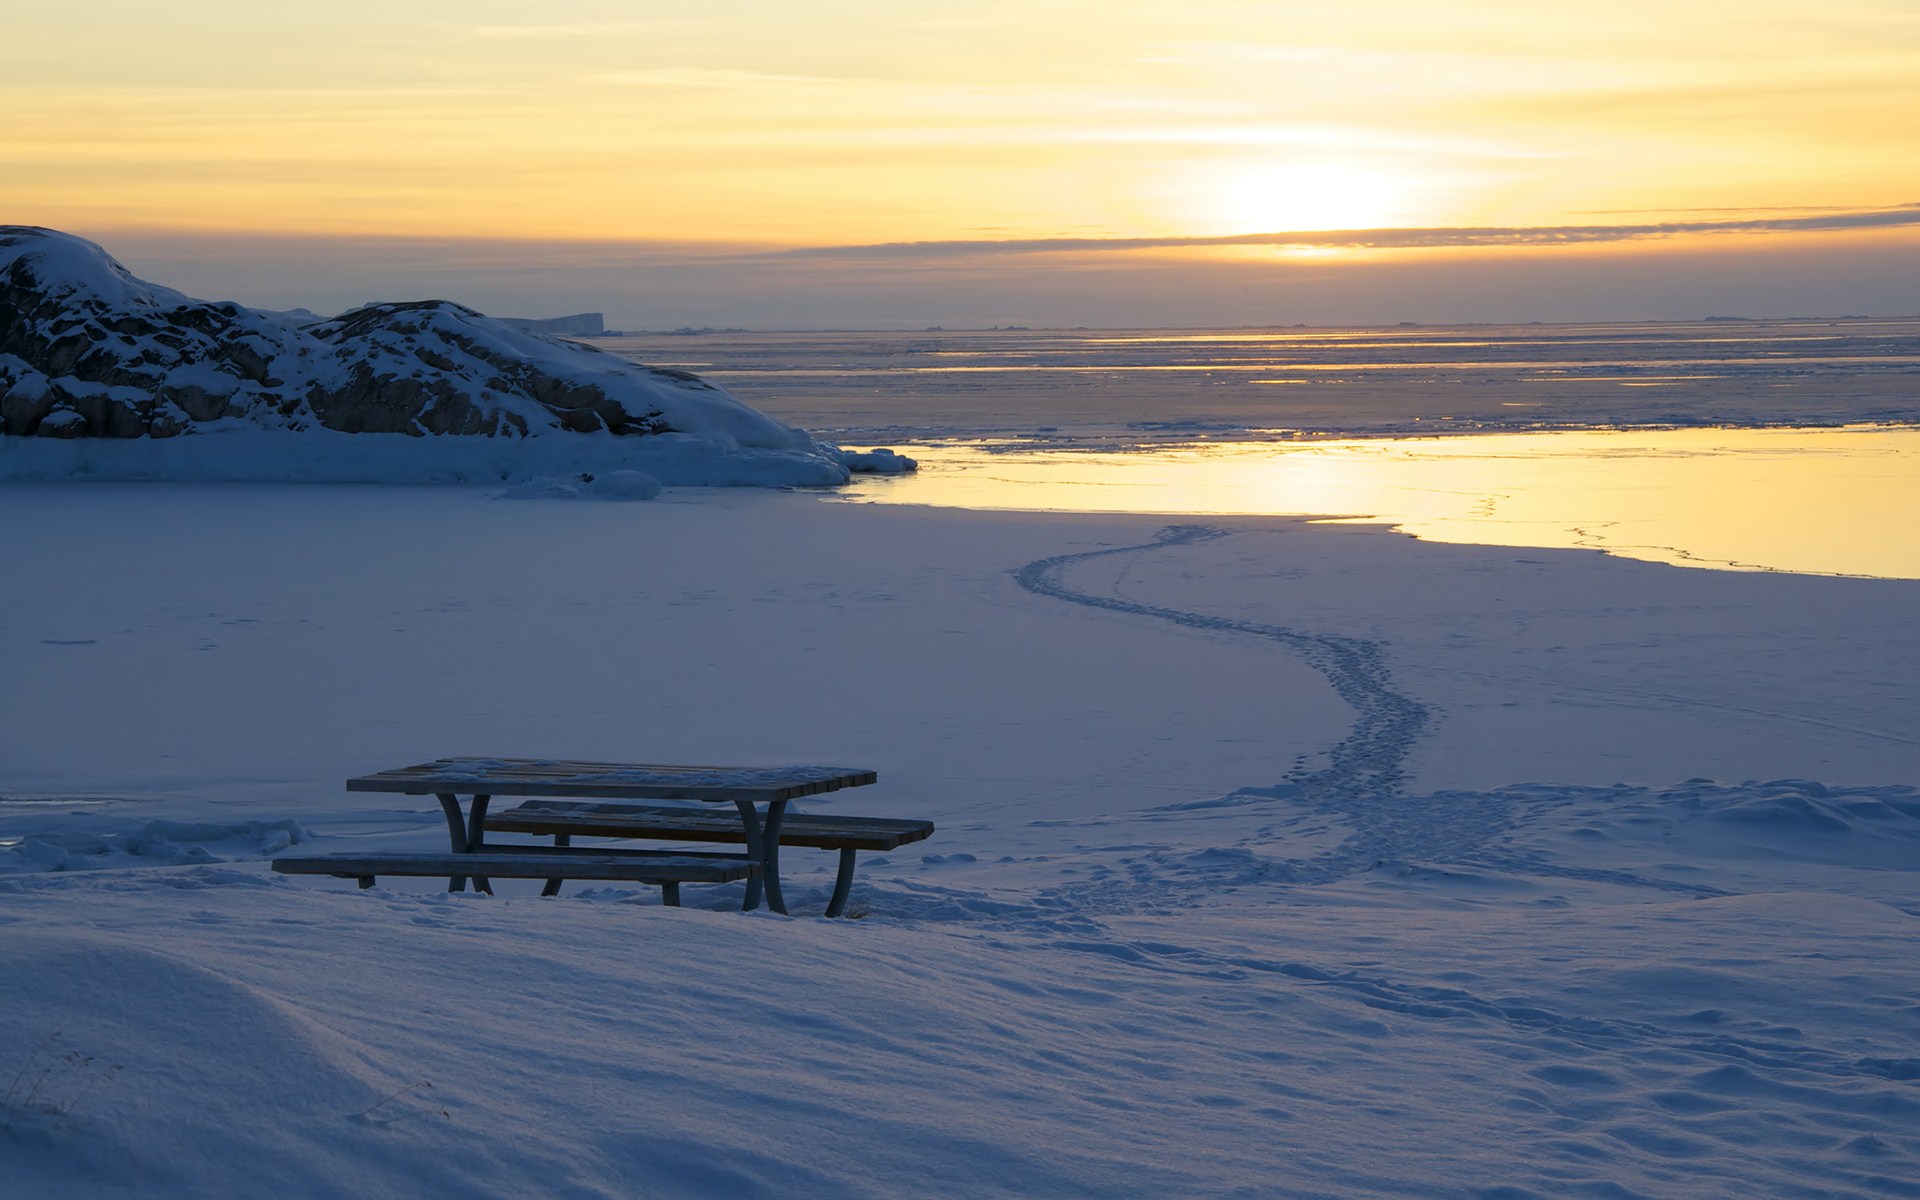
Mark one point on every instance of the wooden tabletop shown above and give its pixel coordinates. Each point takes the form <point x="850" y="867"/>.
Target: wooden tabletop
<point x="610" y="781"/>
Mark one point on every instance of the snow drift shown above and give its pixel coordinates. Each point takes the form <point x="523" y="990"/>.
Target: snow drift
<point x="104" y="375"/>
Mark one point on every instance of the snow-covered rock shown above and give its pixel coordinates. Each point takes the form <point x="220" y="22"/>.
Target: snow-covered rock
<point x="89" y="352"/>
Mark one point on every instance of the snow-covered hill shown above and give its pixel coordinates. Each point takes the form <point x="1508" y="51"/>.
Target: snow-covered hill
<point x="134" y="376"/>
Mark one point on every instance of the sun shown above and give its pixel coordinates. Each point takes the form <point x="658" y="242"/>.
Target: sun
<point x="1306" y="196"/>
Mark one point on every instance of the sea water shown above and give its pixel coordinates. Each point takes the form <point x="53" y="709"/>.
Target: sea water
<point x="1816" y="501"/>
<point x="1777" y="445"/>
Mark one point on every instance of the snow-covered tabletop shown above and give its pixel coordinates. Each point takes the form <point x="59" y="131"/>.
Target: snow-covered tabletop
<point x="613" y="781"/>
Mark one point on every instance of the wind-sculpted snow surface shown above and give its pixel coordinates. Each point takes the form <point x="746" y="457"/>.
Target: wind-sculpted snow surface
<point x="139" y="374"/>
<point x="1127" y="965"/>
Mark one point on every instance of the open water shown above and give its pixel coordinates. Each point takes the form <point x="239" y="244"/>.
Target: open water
<point x="1779" y="445"/>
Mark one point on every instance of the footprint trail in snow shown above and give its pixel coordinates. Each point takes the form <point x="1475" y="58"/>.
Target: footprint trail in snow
<point x="1363" y="765"/>
<point x="1359" y="787"/>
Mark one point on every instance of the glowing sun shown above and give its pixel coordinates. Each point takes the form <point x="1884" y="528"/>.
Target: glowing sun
<point x="1306" y="196"/>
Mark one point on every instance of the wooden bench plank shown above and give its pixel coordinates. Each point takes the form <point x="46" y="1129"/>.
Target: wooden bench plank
<point x="821" y="832"/>
<point x="669" y="871"/>
<point x="565" y="819"/>
<point x="608" y="851"/>
<point x="539" y="864"/>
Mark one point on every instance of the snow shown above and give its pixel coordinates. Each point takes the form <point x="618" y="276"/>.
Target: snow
<point x="85" y="272"/>
<point x="553" y="465"/>
<point x="471" y="770"/>
<point x="1273" y="858"/>
<point x="614" y="485"/>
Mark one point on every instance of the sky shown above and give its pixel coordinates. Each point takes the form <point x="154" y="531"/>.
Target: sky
<point x="850" y="162"/>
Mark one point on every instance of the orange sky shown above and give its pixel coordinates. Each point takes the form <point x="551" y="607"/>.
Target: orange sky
<point x="852" y="122"/>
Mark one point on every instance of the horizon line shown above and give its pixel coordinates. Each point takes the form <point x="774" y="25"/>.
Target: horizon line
<point x="1408" y="238"/>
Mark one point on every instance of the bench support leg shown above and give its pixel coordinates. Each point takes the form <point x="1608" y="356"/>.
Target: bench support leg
<point x="366" y="881"/>
<point x="670" y="895"/>
<point x="553" y="885"/>
<point x="842" y="883"/>
<point x="763" y="846"/>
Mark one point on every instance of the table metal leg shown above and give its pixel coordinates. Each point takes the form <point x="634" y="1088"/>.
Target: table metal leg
<point x="770" y="855"/>
<point x="477" y="824"/>
<point x="456" y="834"/>
<point x="763" y="847"/>
<point x="750" y="821"/>
<point x="477" y="838"/>
<point x="842" y="883"/>
<point x="456" y="823"/>
<point x="467" y="834"/>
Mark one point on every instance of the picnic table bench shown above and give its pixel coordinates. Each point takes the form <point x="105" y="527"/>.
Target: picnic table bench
<point x="752" y="791"/>
<point x="565" y="819"/>
<point x="669" y="871"/>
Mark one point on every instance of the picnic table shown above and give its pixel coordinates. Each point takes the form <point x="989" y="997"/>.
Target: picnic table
<point x="465" y="788"/>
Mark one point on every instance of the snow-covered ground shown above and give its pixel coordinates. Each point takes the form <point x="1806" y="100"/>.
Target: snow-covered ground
<point x="1274" y="859"/>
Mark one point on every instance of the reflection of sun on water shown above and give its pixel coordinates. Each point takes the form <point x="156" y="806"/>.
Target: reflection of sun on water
<point x="1822" y="501"/>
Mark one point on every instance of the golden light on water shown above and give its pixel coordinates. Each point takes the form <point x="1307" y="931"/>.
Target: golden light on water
<point x="1828" y="502"/>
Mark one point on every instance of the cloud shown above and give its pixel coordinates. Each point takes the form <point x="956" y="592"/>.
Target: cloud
<point x="561" y="29"/>
<point x="1389" y="239"/>
<point x="707" y="77"/>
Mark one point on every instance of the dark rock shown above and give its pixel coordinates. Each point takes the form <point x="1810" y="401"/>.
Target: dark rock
<point x="80" y="335"/>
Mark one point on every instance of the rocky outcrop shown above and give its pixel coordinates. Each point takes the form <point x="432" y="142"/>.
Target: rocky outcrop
<point x="89" y="351"/>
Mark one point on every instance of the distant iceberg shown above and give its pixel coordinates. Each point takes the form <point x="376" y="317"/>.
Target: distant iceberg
<point x="106" y="376"/>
